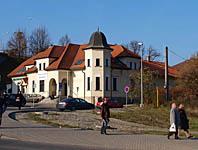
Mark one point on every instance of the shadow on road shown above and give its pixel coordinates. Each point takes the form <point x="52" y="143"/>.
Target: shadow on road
<point x="12" y="115"/>
<point x="119" y="134"/>
<point x="34" y="127"/>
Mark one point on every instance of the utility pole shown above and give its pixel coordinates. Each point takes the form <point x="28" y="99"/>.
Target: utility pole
<point x="142" y="95"/>
<point x="166" y="85"/>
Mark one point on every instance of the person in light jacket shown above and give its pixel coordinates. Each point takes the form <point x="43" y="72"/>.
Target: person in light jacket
<point x="174" y="118"/>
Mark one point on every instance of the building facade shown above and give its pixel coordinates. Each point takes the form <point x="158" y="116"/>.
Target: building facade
<point x="87" y="71"/>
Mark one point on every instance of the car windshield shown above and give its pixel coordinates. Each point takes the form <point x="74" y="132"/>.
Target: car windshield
<point x="67" y="100"/>
<point x="82" y="101"/>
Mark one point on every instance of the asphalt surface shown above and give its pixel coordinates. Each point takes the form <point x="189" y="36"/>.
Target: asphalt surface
<point x="7" y="144"/>
<point x="37" y="136"/>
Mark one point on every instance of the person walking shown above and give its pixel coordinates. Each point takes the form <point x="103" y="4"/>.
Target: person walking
<point x="105" y="114"/>
<point x="19" y="100"/>
<point x="184" y="122"/>
<point x="2" y="106"/>
<point x="174" y="121"/>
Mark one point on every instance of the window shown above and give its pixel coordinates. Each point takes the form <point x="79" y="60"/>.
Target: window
<point x="97" y="83"/>
<point x="97" y="62"/>
<point x="33" y="86"/>
<point x="40" y="66"/>
<point x="135" y="66"/>
<point x="88" y="63"/>
<point x="41" y="85"/>
<point x="43" y="66"/>
<point x="107" y="83"/>
<point x="18" y="89"/>
<point x="114" y="84"/>
<point x="131" y="65"/>
<point x="107" y="62"/>
<point x="88" y="83"/>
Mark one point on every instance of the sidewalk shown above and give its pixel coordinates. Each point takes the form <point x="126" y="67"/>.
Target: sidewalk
<point x="47" y="134"/>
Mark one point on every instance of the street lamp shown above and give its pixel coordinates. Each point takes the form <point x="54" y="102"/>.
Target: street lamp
<point x="2" y="39"/>
<point x="142" y="96"/>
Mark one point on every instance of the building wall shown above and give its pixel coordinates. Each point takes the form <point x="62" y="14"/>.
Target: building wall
<point x="127" y="60"/>
<point x="77" y="79"/>
<point x="96" y="71"/>
<point x="77" y="88"/>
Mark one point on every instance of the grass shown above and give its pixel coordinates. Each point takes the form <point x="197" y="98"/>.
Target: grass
<point x="147" y="116"/>
<point x="37" y="118"/>
<point x="156" y="117"/>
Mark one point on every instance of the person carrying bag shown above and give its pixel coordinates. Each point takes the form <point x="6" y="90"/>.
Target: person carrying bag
<point x="174" y="121"/>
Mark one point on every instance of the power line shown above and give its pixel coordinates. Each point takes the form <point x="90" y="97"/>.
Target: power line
<point x="177" y="54"/>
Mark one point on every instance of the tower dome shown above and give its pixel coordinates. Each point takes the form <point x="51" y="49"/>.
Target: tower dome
<point x="98" y="40"/>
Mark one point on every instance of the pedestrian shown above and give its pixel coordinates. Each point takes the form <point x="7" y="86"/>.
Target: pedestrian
<point x="19" y="100"/>
<point x="105" y="114"/>
<point x="3" y="106"/>
<point x="184" y="122"/>
<point x="174" y="121"/>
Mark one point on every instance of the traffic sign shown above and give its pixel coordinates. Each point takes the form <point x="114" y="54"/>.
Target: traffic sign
<point x="126" y="89"/>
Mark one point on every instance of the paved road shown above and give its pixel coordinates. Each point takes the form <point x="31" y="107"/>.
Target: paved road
<point x="82" y="138"/>
<point x="7" y="144"/>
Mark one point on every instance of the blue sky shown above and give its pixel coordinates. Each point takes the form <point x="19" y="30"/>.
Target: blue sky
<point x="159" y="23"/>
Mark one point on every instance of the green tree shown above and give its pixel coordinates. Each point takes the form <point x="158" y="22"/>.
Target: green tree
<point x="188" y="77"/>
<point x="149" y="82"/>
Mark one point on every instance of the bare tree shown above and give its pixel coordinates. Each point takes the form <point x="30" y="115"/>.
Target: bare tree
<point x="153" y="54"/>
<point x="39" y="40"/>
<point x="17" y="44"/>
<point x="64" y="40"/>
<point x="135" y="47"/>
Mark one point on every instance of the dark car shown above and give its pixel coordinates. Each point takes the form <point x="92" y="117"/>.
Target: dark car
<point x="74" y="104"/>
<point x="112" y="104"/>
<point x="11" y="100"/>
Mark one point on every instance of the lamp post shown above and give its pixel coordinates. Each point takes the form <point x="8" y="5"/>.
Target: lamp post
<point x="2" y="39"/>
<point x="142" y="96"/>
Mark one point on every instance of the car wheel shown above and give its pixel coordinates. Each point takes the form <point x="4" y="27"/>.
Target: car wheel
<point x="61" y="109"/>
<point x="73" y="109"/>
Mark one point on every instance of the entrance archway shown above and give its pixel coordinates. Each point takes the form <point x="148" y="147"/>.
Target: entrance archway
<point x="52" y="87"/>
<point x="64" y="87"/>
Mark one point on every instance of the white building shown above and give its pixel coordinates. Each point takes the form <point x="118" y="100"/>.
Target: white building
<point x="88" y="71"/>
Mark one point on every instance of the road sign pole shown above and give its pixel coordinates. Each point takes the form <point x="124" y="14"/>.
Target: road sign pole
<point x="126" y="90"/>
<point x="126" y="99"/>
<point x="33" y="101"/>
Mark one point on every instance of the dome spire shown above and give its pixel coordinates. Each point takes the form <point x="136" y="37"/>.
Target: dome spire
<point x="98" y="29"/>
<point x="98" y="41"/>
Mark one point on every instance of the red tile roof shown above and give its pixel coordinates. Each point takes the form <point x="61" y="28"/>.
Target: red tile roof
<point x="121" y="51"/>
<point x="160" y="67"/>
<point x="71" y="56"/>
<point x="32" y="70"/>
<point x="51" y="52"/>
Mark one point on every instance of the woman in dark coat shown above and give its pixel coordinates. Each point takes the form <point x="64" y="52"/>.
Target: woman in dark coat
<point x="2" y="106"/>
<point x="105" y="114"/>
<point x="184" y="122"/>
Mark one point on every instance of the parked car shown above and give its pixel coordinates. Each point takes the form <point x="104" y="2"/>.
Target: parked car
<point x="74" y="104"/>
<point x="11" y="100"/>
<point x="112" y="104"/>
<point x="33" y="97"/>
